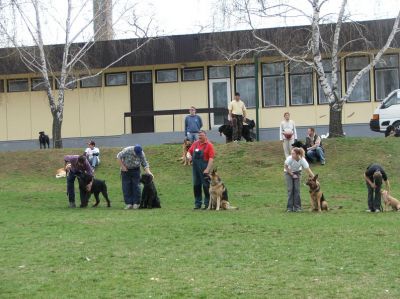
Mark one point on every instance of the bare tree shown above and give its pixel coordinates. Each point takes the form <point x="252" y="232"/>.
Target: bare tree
<point x="73" y="56"/>
<point x="255" y="12"/>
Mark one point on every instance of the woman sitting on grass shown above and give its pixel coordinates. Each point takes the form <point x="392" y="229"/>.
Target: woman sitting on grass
<point x="293" y="167"/>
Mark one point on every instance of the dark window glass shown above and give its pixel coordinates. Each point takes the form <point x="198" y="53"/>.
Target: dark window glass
<point x="95" y="81"/>
<point x="192" y="74"/>
<point x="15" y="85"/>
<point x="141" y="77"/>
<point x="245" y="70"/>
<point x="274" y="91"/>
<point x="386" y="76"/>
<point x="116" y="79"/>
<point x="327" y="64"/>
<point x="300" y="84"/>
<point x="361" y="92"/>
<point x="219" y="72"/>
<point x="164" y="76"/>
<point x="39" y="84"/>
<point x="69" y="83"/>
<point x="1" y="85"/>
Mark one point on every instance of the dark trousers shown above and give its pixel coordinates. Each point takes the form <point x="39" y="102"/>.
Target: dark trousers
<point x="293" y="191"/>
<point x="130" y="186"/>
<point x="71" y="189"/>
<point x="199" y="182"/>
<point x="374" y="202"/>
<point x="237" y="126"/>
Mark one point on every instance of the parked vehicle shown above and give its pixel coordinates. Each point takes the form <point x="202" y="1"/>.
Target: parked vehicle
<point x="388" y="113"/>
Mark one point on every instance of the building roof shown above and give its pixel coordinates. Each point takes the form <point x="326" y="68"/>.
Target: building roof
<point x="206" y="46"/>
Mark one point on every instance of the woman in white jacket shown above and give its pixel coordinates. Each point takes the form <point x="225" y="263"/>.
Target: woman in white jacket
<point x="287" y="133"/>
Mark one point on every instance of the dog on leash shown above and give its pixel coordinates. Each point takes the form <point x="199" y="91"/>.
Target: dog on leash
<point x="150" y="197"/>
<point x="218" y="194"/>
<point x="390" y="201"/>
<point x="185" y="148"/>
<point x="43" y="140"/>
<point x="318" y="201"/>
<point x="98" y="186"/>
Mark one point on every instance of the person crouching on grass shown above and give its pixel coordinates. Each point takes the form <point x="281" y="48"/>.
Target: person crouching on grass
<point x="293" y="167"/>
<point x="373" y="177"/>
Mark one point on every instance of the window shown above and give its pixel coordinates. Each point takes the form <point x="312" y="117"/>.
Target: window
<point x="386" y="76"/>
<point x="116" y="79"/>
<point x="165" y="76"/>
<point x="300" y="84"/>
<point x="361" y="92"/>
<point x="219" y="72"/>
<point x="1" y="85"/>
<point x="141" y="77"/>
<point x="39" y="84"/>
<point x="327" y="64"/>
<point x="192" y="74"/>
<point x="95" y="81"/>
<point x="273" y="80"/>
<point x="15" y="85"/>
<point x="69" y="83"/>
<point x="245" y="83"/>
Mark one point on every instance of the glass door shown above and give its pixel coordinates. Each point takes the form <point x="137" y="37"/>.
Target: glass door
<point x="220" y="96"/>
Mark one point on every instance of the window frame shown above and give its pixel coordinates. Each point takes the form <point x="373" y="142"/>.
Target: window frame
<point x="82" y="79"/>
<point x="66" y="88"/>
<point x="192" y="68"/>
<point x="346" y="71"/>
<point x="219" y="66"/>
<point x="19" y="79"/>
<point x="339" y="73"/>
<point x="2" y="89"/>
<point x="115" y="73"/>
<point x="309" y="73"/>
<point x="148" y="71"/>
<point x="40" y="78"/>
<point x="377" y="69"/>
<point x="172" y="69"/>
<point x="236" y="78"/>
<point x="273" y="76"/>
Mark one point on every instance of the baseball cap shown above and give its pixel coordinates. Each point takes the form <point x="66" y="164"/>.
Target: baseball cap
<point x="138" y="150"/>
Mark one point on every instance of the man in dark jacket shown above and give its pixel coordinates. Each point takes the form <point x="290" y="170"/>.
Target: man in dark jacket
<point x="373" y="177"/>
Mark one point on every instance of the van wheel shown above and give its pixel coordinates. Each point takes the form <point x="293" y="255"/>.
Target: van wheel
<point x="396" y="125"/>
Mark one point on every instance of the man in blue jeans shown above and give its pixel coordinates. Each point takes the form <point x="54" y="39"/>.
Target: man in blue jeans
<point x="193" y="124"/>
<point x="314" y="147"/>
<point x="130" y="159"/>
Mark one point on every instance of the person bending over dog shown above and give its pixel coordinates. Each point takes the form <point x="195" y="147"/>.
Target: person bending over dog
<point x="293" y="167"/>
<point x="314" y="147"/>
<point x="75" y="165"/>
<point x="373" y="177"/>
<point x="201" y="153"/>
<point x="130" y="159"/>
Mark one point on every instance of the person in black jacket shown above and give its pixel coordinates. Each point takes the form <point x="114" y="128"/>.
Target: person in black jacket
<point x="373" y="177"/>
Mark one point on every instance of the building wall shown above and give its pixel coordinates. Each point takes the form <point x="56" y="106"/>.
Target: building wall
<point x="99" y="111"/>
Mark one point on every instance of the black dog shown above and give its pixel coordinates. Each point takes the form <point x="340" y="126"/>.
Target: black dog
<point x="300" y="144"/>
<point x="247" y="131"/>
<point x="97" y="187"/>
<point x="392" y="131"/>
<point x="149" y="194"/>
<point x="43" y="140"/>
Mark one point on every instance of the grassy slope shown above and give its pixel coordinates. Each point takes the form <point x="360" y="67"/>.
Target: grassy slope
<point x="174" y="252"/>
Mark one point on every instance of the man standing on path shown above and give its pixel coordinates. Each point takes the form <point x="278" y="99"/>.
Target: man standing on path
<point x="202" y="154"/>
<point x="237" y="115"/>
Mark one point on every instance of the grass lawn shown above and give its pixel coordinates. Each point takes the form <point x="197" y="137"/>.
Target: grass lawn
<point x="259" y="251"/>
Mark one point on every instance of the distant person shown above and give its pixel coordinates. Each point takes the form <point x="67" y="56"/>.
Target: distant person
<point x="193" y="125"/>
<point x="202" y="154"/>
<point x="373" y="177"/>
<point x="287" y="133"/>
<point x="130" y="160"/>
<point x="293" y="166"/>
<point x="93" y="154"/>
<point x="76" y="165"/>
<point x="314" y="147"/>
<point x="237" y="115"/>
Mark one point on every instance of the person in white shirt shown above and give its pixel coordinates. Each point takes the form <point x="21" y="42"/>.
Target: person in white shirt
<point x="92" y="153"/>
<point x="287" y="133"/>
<point x="294" y="164"/>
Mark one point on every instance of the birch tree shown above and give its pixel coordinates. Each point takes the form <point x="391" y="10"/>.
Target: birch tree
<point x="39" y="58"/>
<point x="255" y="12"/>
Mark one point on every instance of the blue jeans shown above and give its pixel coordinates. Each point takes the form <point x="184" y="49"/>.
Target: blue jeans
<point x="192" y="136"/>
<point x="316" y="154"/>
<point x="130" y="186"/>
<point x="293" y="192"/>
<point x="93" y="161"/>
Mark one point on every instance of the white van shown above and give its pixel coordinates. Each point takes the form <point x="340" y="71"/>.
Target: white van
<point x="388" y="113"/>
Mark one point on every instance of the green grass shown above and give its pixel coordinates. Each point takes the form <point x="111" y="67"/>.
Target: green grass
<point x="259" y="251"/>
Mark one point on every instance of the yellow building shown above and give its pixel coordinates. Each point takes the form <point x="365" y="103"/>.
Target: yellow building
<point x="151" y="91"/>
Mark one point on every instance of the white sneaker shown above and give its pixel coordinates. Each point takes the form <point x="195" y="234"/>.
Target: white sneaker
<point x="377" y="211"/>
<point x="128" y="207"/>
<point x="135" y="206"/>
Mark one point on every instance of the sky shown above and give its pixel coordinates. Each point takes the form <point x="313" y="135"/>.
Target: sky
<point x="172" y="17"/>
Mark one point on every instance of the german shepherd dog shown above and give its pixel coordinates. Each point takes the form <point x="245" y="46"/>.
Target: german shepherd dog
<point x="185" y="148"/>
<point x="390" y="201"/>
<point x="98" y="187"/>
<point x="318" y="201"/>
<point x="218" y="194"/>
<point x="149" y="198"/>
<point x="44" y="140"/>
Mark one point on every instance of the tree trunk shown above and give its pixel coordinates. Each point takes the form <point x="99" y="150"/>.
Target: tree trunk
<point x="335" y="123"/>
<point x="57" y="124"/>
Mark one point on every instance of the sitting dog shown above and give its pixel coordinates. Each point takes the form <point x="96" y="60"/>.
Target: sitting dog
<point x="149" y="193"/>
<point x="63" y="172"/>
<point x="247" y="131"/>
<point x="43" y="140"/>
<point x="97" y="187"/>
<point x="390" y="201"/>
<point x="218" y="193"/>
<point x="318" y="201"/>
<point x="185" y="148"/>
